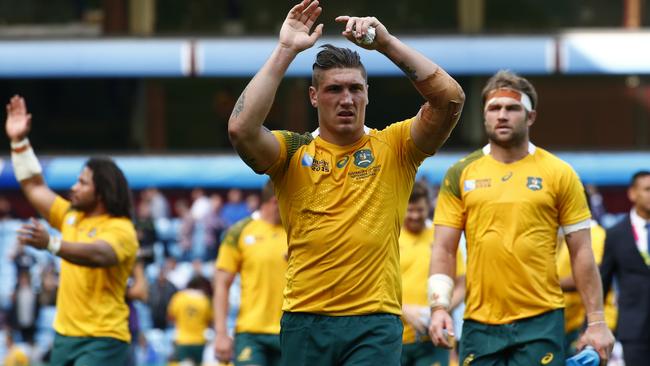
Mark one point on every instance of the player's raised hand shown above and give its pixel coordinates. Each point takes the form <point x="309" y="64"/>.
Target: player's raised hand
<point x="34" y="234"/>
<point x="295" y="32"/>
<point x="18" y="120"/>
<point x="356" y="28"/>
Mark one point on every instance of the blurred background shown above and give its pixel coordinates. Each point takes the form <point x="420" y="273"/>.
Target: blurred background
<point x="153" y="82"/>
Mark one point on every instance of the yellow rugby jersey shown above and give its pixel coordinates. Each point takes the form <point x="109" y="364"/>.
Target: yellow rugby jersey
<point x="257" y="250"/>
<point x="342" y="208"/>
<point x="415" y="257"/>
<point x="511" y="214"/>
<point x="192" y="313"/>
<point x="574" y="311"/>
<point x="90" y="301"/>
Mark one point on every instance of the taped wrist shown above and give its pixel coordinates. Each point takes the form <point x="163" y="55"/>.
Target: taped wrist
<point x="24" y="160"/>
<point x="54" y="245"/>
<point x="439" y="289"/>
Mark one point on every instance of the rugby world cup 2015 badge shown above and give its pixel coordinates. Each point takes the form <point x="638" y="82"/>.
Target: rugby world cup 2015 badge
<point x="363" y="158"/>
<point x="534" y="183"/>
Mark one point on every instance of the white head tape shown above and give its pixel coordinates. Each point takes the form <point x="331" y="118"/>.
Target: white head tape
<point x="522" y="98"/>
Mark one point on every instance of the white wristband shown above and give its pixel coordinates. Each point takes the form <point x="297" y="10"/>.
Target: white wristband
<point x="439" y="289"/>
<point x="24" y="160"/>
<point x="54" y="245"/>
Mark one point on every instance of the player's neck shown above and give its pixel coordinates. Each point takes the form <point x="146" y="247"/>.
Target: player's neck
<point x="509" y="154"/>
<point x="341" y="139"/>
<point x="98" y="210"/>
<point x="642" y="213"/>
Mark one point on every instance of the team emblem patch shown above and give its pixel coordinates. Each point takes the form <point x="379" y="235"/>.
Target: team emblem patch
<point x="363" y="158"/>
<point x="342" y="162"/>
<point x="534" y="183"/>
<point x="468" y="360"/>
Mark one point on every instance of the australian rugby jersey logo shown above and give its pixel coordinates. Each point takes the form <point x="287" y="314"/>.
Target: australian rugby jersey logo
<point x="342" y="162"/>
<point x="363" y="158"/>
<point x="534" y="183"/>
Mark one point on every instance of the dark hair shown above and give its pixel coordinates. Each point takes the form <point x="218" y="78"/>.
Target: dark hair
<point x="332" y="57"/>
<point x="510" y="80"/>
<point x="267" y="192"/>
<point x="111" y="187"/>
<point x="420" y="190"/>
<point x="638" y="175"/>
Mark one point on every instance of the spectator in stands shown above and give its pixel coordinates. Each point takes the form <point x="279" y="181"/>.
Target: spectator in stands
<point x="627" y="259"/>
<point x="49" y="286"/>
<point x="200" y="204"/>
<point x="214" y="227"/>
<point x="24" y="308"/>
<point x="235" y="208"/>
<point x="146" y="230"/>
<point x="191" y="311"/>
<point x="596" y="203"/>
<point x="256" y="249"/>
<point x="252" y="202"/>
<point x="186" y="228"/>
<point x="137" y="290"/>
<point x="97" y="248"/>
<point x="160" y="293"/>
<point x="6" y="211"/>
<point x="22" y="259"/>
<point x="158" y="204"/>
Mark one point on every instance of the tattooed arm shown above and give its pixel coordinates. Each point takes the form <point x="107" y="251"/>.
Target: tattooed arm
<point x="253" y="142"/>
<point x="444" y="96"/>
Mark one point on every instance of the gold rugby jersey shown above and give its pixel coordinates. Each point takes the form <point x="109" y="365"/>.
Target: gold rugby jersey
<point x="511" y="214"/>
<point x="342" y="207"/>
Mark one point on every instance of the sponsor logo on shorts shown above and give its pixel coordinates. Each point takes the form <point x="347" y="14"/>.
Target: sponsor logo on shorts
<point x="245" y="354"/>
<point x="547" y="359"/>
<point x="534" y="183"/>
<point x="468" y="360"/>
<point x="363" y="158"/>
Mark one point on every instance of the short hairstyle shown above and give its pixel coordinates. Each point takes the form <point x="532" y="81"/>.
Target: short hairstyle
<point x="420" y="190"/>
<point x="111" y="187"/>
<point x="510" y="80"/>
<point x="638" y="175"/>
<point x="267" y="192"/>
<point x="332" y="57"/>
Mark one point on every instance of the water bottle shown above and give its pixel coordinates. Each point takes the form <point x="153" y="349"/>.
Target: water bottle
<point x="587" y="357"/>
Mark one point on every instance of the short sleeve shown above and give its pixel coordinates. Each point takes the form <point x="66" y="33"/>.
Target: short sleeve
<point x="572" y="201"/>
<point x="120" y="235"/>
<point x="450" y="210"/>
<point x="398" y="135"/>
<point x="59" y="209"/>
<point x="230" y="256"/>
<point x="289" y="142"/>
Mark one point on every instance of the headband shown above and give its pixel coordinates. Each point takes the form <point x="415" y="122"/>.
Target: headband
<point x="522" y="98"/>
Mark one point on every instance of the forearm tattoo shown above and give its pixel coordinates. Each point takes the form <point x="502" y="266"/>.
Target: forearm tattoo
<point x="410" y="73"/>
<point x="239" y="106"/>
